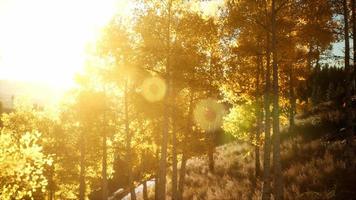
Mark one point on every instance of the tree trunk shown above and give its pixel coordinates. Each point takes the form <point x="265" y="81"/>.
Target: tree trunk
<point x="257" y="159"/>
<point x="278" y="194"/>
<point x="174" y="158"/>
<point x="174" y="166"/>
<point x="51" y="184"/>
<point x="157" y="175"/>
<point x="161" y="187"/>
<point x="145" y="193"/>
<point x="185" y="156"/>
<point x="354" y="40"/>
<point x="258" y="118"/>
<point x="82" y="167"/>
<point x="291" y="100"/>
<point x="104" y="167"/>
<point x="211" y="149"/>
<point x="182" y="176"/>
<point x="128" y="144"/>
<point x="266" y="191"/>
<point x="163" y="162"/>
<point x="348" y="69"/>
<point x="354" y="43"/>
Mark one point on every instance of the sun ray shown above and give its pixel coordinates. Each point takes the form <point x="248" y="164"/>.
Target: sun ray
<point x="45" y="40"/>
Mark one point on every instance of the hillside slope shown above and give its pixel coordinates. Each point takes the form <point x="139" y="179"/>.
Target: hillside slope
<point x="313" y="161"/>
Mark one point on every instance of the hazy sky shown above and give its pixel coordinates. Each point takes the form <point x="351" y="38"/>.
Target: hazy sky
<point x="46" y="40"/>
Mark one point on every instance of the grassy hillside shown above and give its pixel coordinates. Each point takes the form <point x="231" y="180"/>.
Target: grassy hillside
<point x="314" y="165"/>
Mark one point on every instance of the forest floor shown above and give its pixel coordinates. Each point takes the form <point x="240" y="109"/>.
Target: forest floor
<point x="313" y="161"/>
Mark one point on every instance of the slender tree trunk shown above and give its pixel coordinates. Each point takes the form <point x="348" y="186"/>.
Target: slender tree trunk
<point x="157" y="175"/>
<point x="353" y="2"/>
<point x="210" y="134"/>
<point x="51" y="195"/>
<point x="104" y="167"/>
<point x="182" y="175"/>
<point x="128" y="145"/>
<point x="291" y="100"/>
<point x="174" y="168"/>
<point x="82" y="167"/>
<point x="278" y="194"/>
<point x="174" y="158"/>
<point x="163" y="162"/>
<point x="185" y="155"/>
<point x="348" y="69"/>
<point x="257" y="160"/>
<point x="143" y="169"/>
<point x="211" y="149"/>
<point x="266" y="191"/>
<point x="354" y="43"/>
<point x="145" y="192"/>
<point x="258" y="117"/>
<point x="51" y="184"/>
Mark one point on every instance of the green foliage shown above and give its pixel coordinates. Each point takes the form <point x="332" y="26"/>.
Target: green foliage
<point x="240" y="121"/>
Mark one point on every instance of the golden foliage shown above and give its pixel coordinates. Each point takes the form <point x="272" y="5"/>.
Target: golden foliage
<point x="22" y="165"/>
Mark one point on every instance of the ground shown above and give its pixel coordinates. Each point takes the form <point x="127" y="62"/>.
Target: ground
<point x="313" y="160"/>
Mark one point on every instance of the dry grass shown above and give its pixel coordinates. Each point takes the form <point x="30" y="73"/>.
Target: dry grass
<point x="231" y="178"/>
<point x="313" y="170"/>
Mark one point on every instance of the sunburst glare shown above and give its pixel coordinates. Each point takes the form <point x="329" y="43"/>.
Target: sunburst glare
<point x="154" y="89"/>
<point x="208" y="114"/>
<point x="45" y="41"/>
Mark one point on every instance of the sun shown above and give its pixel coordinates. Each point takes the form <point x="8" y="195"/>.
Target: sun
<point x="45" y="40"/>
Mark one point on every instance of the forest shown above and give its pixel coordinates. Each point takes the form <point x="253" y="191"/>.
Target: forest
<point x="196" y="99"/>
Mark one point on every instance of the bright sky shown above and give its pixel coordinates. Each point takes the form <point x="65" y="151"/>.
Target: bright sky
<point x="45" y="40"/>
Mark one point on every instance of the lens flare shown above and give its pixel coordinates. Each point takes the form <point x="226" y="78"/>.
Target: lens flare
<point x="208" y="114"/>
<point x="154" y="89"/>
